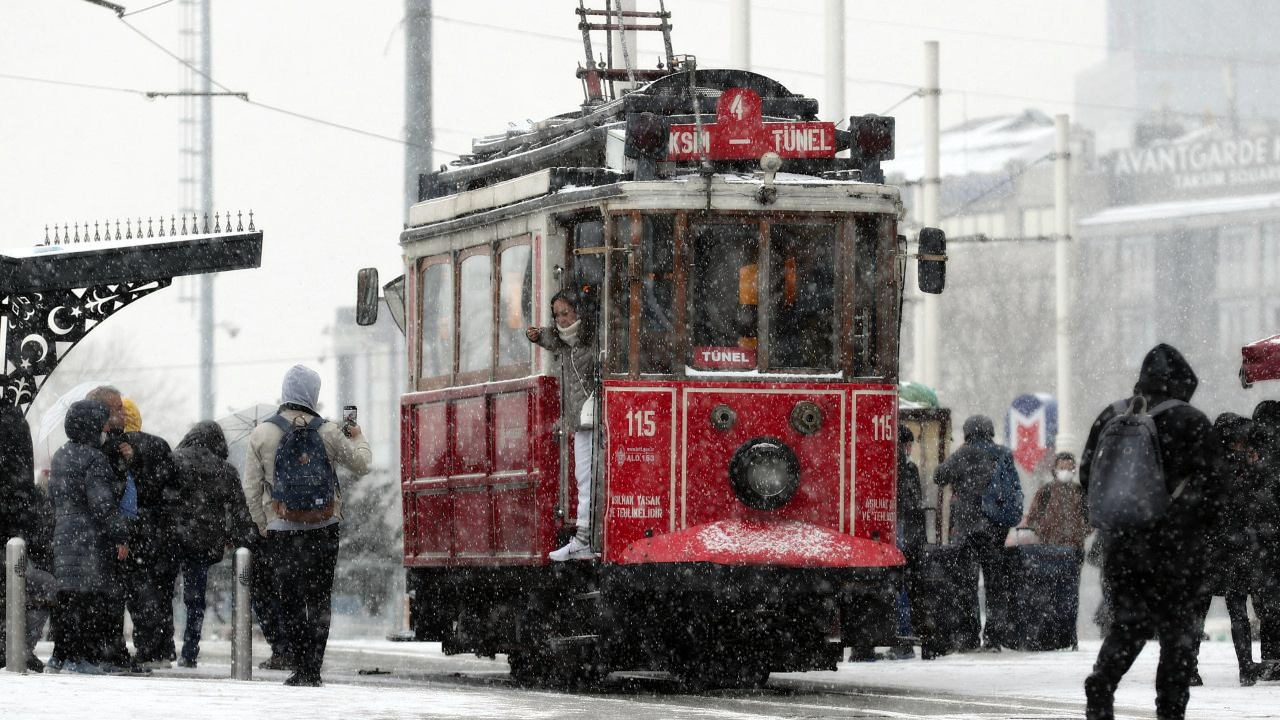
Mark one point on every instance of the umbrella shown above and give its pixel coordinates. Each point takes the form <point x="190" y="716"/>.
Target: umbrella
<point x="1261" y="361"/>
<point x="239" y="425"/>
<point x="56" y="416"/>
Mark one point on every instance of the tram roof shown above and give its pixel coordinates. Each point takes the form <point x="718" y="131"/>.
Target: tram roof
<point x="594" y="137"/>
<point x="564" y="189"/>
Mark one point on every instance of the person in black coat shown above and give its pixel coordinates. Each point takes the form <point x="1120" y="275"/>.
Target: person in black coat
<point x="1233" y="543"/>
<point x="969" y="471"/>
<point x="911" y="537"/>
<point x="89" y="538"/>
<point x="1155" y="577"/>
<point x="210" y="514"/>
<point x="1266" y="599"/>
<point x="22" y="515"/>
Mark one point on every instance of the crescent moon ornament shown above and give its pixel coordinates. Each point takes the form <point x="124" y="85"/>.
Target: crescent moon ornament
<point x="39" y="342"/>
<point x="53" y="322"/>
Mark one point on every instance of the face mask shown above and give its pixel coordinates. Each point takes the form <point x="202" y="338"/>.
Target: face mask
<point x="1064" y="475"/>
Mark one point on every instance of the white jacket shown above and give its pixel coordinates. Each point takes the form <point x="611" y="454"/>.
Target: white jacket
<point x="259" y="467"/>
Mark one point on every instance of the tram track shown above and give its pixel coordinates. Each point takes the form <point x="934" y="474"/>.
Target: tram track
<point x="658" y="695"/>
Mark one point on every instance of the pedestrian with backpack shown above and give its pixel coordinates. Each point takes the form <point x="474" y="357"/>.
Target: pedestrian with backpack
<point x="1146" y="471"/>
<point x="294" y="498"/>
<point x="986" y="500"/>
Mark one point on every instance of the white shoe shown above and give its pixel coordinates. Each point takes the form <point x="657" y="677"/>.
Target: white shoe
<point x="575" y="549"/>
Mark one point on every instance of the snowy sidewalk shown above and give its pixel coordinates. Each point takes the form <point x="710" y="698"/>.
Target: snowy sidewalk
<point x="1047" y="685"/>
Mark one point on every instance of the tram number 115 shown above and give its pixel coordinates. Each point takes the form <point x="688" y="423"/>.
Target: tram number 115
<point x="882" y="427"/>
<point x="641" y="423"/>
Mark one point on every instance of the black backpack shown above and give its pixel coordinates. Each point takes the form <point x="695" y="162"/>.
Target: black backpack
<point x="304" y="482"/>
<point x="1127" y="488"/>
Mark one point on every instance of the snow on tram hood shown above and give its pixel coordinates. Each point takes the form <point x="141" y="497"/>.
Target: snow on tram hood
<point x="756" y="542"/>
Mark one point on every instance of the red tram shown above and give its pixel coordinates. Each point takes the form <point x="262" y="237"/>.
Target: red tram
<point x="747" y="285"/>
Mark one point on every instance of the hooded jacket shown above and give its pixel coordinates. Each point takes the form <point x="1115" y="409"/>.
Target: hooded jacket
<point x="210" y="510"/>
<point x="1163" y="566"/>
<point x="87" y="521"/>
<point x="969" y="471"/>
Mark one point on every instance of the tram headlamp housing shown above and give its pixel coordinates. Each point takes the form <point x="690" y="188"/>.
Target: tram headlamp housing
<point x="765" y="473"/>
<point x="806" y="418"/>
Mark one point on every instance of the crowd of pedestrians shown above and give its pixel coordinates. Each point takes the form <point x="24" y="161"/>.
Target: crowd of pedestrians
<point x="1214" y="532"/>
<point x="124" y="515"/>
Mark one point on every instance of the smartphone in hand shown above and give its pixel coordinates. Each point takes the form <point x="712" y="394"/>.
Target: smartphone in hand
<point x="348" y="417"/>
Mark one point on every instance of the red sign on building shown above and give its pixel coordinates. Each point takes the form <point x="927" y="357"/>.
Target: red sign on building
<point x="739" y="134"/>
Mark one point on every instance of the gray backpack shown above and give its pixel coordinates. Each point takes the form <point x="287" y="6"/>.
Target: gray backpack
<point x="1127" y="488"/>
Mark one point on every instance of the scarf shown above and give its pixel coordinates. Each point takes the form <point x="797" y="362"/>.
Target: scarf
<point x="569" y="335"/>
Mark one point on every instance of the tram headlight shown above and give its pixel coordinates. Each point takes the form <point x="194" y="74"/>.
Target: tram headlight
<point x="765" y="473"/>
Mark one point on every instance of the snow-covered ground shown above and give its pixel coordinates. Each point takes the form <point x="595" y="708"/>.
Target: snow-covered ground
<point x="1039" y="685"/>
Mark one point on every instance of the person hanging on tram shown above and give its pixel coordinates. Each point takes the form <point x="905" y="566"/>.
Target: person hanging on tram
<point x="572" y="340"/>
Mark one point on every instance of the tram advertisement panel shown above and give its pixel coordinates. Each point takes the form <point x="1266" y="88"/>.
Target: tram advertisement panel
<point x="874" y="465"/>
<point x="640" y="465"/>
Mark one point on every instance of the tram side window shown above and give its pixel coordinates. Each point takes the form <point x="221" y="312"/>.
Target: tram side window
<point x="475" y="314"/>
<point x="802" y="319"/>
<point x="866" y="348"/>
<point x="515" y="277"/>
<point x="436" y="312"/>
<point x="722" y="298"/>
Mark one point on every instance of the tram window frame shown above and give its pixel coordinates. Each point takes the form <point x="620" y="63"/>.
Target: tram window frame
<point x="517" y="364"/>
<point x="425" y="266"/>
<point x="471" y="320"/>
<point x="637" y="347"/>
<point x="778" y="278"/>
<point x="695" y="319"/>
<point x="873" y="290"/>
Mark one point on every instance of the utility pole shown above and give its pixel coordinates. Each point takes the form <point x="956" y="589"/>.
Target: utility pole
<point x="1062" y="277"/>
<point x="740" y="34"/>
<point x="834" y="46"/>
<point x="417" y="98"/>
<point x="197" y="177"/>
<point x="926" y="335"/>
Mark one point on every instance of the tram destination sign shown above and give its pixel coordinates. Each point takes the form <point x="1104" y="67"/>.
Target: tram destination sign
<point x="739" y="133"/>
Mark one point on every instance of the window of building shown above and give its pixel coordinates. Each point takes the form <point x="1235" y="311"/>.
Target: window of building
<point x="1271" y="255"/>
<point x="475" y="313"/>
<point x="1135" y="266"/>
<point x="1239" y="322"/>
<point x="515" y="308"/>
<point x="436" y="311"/>
<point x="1238" y="258"/>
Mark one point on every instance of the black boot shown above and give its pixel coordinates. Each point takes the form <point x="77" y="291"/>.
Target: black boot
<point x="1099" y="699"/>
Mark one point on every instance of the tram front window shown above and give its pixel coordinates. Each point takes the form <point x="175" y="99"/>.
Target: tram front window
<point x="723" y="316"/>
<point x="802" y="318"/>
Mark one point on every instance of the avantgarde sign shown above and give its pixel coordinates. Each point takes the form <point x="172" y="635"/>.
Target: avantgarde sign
<point x="739" y="133"/>
<point x="1206" y="163"/>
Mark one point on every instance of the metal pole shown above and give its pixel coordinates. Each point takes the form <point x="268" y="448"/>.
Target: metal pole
<point x="417" y="98"/>
<point x="1062" y="269"/>
<point x="835" y="59"/>
<point x="740" y="34"/>
<point x="927" y="338"/>
<point x="206" y="208"/>
<point x="625" y="41"/>
<point x="15" y="605"/>
<point x="241" y="618"/>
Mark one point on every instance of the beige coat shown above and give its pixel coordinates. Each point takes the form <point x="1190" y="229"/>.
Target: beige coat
<point x="259" y="465"/>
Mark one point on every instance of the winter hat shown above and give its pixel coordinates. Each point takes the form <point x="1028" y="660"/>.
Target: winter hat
<point x="979" y="427"/>
<point x="85" y="421"/>
<point x="301" y="387"/>
<point x="905" y="435"/>
<point x="132" y="416"/>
